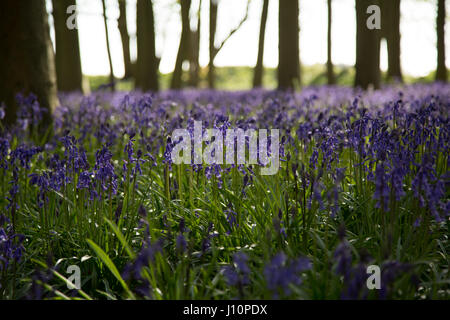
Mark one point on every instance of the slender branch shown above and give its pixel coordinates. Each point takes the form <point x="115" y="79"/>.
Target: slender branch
<point x="233" y="31"/>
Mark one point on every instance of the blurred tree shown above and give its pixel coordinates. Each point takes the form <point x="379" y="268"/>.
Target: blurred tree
<point x="367" y="48"/>
<point x="391" y="32"/>
<point x="194" y="63"/>
<point x="288" y="48"/>
<point x="259" y="68"/>
<point x="147" y="62"/>
<point x="184" y="50"/>
<point x="213" y="49"/>
<point x="212" y="39"/>
<point x="108" y="48"/>
<point x="27" y="62"/>
<point x="330" y="68"/>
<point x="441" y="72"/>
<point x="68" y="62"/>
<point x="123" y="29"/>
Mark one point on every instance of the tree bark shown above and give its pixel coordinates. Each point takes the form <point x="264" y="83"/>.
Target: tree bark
<point x="367" y="49"/>
<point x="194" y="64"/>
<point x="259" y="68"/>
<point x="123" y="29"/>
<point x="288" y="48"/>
<point x="147" y="62"/>
<point x="212" y="39"/>
<point x="441" y="72"/>
<point x="68" y="62"/>
<point x="26" y="60"/>
<point x="331" y="79"/>
<point x="185" y="45"/>
<point x="391" y="32"/>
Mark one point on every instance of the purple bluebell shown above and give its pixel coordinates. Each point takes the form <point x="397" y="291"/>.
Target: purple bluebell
<point x="281" y="273"/>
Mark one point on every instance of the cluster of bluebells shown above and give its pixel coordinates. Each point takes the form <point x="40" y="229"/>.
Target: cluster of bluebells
<point x="282" y="273"/>
<point x="355" y="275"/>
<point x="395" y="136"/>
<point x="238" y="274"/>
<point x="134" y="269"/>
<point x="11" y="245"/>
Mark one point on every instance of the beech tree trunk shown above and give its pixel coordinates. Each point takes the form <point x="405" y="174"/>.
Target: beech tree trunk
<point x="185" y="45"/>
<point x="212" y="39"/>
<point x="391" y="32"/>
<point x="123" y="29"/>
<point x="147" y="63"/>
<point x="68" y="62"/>
<point x="259" y="68"/>
<point x="289" y="55"/>
<point x="441" y="72"/>
<point x="331" y="79"/>
<point x="194" y="63"/>
<point x="27" y="62"/>
<point x="367" y="49"/>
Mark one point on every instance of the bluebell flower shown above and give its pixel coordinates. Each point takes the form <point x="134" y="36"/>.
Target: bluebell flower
<point x="2" y="111"/>
<point x="11" y="245"/>
<point x="181" y="243"/>
<point x="281" y="273"/>
<point x="238" y="274"/>
<point x="231" y="219"/>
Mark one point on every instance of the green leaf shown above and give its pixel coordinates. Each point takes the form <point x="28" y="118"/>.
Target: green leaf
<point x="121" y="238"/>
<point x="109" y="264"/>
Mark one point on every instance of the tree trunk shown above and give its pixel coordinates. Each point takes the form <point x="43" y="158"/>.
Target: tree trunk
<point x="288" y="48"/>
<point x="441" y="72"/>
<point x="184" y="48"/>
<point x="112" y="81"/>
<point x="147" y="63"/>
<point x="194" y="64"/>
<point x="367" y="49"/>
<point x="330" y="68"/>
<point x="259" y="68"/>
<point x="391" y="31"/>
<point x="212" y="39"/>
<point x="67" y="58"/>
<point x="123" y="29"/>
<point x="27" y="61"/>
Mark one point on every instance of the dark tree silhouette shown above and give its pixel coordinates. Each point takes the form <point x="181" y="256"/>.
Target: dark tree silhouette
<point x="194" y="63"/>
<point x="441" y="72"/>
<point x="367" y="48"/>
<point x="123" y="29"/>
<point x="26" y="60"/>
<point x="288" y="48"/>
<point x="184" y="49"/>
<point x="213" y="49"/>
<point x="68" y="62"/>
<point x="330" y="68"/>
<point x="147" y="62"/>
<point x="259" y="68"/>
<point x="108" y="48"/>
<point x="212" y="39"/>
<point x="391" y="32"/>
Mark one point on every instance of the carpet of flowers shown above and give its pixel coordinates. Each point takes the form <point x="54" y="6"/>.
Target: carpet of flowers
<point x="363" y="181"/>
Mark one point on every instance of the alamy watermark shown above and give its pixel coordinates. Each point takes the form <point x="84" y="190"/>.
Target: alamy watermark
<point x="74" y="281"/>
<point x="262" y="149"/>
<point x="374" y="20"/>
<point x="374" y="280"/>
<point x="71" y="21"/>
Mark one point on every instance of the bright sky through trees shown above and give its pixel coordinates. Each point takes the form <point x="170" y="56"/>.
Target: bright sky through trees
<point x="417" y="29"/>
